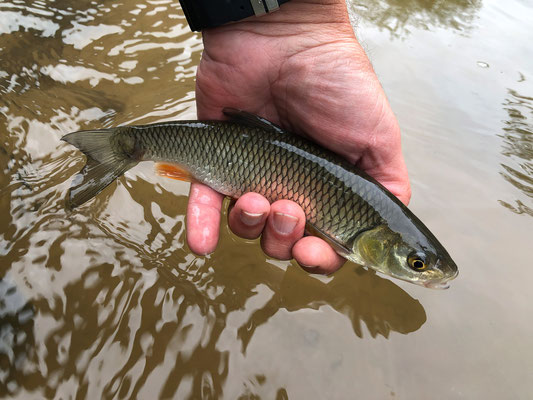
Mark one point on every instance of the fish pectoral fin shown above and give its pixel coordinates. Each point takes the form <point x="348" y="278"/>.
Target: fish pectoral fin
<point x="339" y="247"/>
<point x="252" y="120"/>
<point x="173" y="171"/>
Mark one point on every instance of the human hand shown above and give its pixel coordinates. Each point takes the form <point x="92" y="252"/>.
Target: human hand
<point x="302" y="68"/>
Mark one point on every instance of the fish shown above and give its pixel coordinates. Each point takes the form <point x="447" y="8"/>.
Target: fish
<point x="350" y="210"/>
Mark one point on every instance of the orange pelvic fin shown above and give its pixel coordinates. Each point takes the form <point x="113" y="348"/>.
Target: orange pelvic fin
<point x="172" y="171"/>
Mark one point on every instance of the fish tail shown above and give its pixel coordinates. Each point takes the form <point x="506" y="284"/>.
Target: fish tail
<point x="103" y="166"/>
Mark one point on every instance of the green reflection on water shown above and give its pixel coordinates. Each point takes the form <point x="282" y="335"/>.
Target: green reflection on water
<point x="399" y="17"/>
<point x="518" y="147"/>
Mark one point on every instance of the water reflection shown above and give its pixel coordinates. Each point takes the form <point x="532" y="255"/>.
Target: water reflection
<point x="518" y="148"/>
<point x="399" y="16"/>
<point x="122" y="307"/>
<point x="83" y="56"/>
<point x="366" y="298"/>
<point x="107" y="301"/>
<point x="158" y="238"/>
<point x="16" y="335"/>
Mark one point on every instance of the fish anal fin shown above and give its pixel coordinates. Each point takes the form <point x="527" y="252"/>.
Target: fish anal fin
<point x="339" y="247"/>
<point x="173" y="171"/>
<point x="250" y="119"/>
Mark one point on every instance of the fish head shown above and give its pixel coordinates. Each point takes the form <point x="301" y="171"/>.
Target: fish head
<point x="412" y="255"/>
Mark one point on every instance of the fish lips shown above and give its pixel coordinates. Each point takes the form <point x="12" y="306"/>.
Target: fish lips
<point x="441" y="283"/>
<point x="437" y="285"/>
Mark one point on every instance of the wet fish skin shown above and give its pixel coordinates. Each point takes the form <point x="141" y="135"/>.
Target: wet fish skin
<point x="234" y="161"/>
<point x="342" y="204"/>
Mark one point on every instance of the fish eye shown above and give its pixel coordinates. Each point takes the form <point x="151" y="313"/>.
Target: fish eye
<point x="417" y="261"/>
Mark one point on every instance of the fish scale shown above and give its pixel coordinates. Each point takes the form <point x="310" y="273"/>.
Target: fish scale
<point x="235" y="159"/>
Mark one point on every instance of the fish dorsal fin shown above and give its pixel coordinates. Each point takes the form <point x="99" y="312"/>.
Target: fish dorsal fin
<point x="339" y="247"/>
<point x="252" y="120"/>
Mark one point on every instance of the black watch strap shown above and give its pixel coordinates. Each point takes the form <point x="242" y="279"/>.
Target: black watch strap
<point x="203" y="14"/>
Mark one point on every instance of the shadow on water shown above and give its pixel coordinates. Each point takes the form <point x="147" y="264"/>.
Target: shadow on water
<point x="399" y="16"/>
<point x="518" y="147"/>
<point x="362" y="296"/>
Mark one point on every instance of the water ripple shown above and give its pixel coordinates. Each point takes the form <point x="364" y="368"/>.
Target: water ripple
<point x="518" y="148"/>
<point x="107" y="300"/>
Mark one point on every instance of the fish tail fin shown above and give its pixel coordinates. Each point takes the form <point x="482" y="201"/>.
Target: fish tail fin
<point x="103" y="166"/>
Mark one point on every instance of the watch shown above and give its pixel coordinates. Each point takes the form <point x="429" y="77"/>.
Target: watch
<point x="202" y="14"/>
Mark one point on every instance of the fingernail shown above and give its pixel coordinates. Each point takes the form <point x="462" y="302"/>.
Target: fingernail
<point x="284" y="223"/>
<point x="251" y="219"/>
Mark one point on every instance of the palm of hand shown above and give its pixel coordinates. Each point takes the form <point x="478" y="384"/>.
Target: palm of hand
<point x="317" y="84"/>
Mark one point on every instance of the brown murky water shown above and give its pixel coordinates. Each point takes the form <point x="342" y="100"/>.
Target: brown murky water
<point x="110" y="303"/>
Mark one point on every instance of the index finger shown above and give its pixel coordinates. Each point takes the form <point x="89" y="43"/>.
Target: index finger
<point x="203" y="218"/>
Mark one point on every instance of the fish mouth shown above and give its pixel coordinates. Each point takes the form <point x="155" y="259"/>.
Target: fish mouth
<point x="444" y="281"/>
<point x="437" y="285"/>
<point x="440" y="283"/>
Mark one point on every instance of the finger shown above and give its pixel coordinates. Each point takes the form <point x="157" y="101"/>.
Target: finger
<point x="285" y="226"/>
<point x="316" y="256"/>
<point x="203" y="219"/>
<point x="248" y="216"/>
